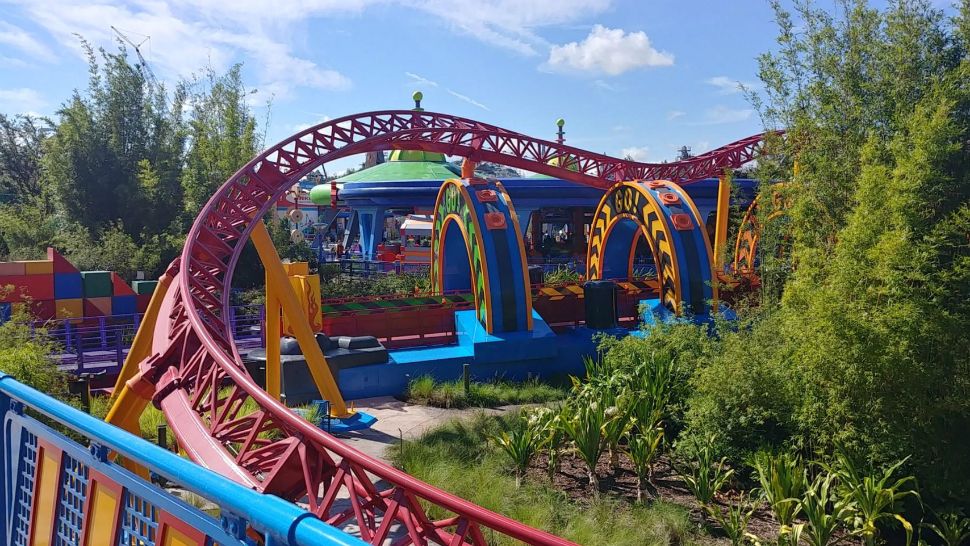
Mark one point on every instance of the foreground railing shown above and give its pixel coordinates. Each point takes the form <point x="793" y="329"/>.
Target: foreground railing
<point x="57" y="491"/>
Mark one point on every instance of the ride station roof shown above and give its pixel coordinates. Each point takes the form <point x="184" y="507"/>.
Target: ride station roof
<point x="406" y="165"/>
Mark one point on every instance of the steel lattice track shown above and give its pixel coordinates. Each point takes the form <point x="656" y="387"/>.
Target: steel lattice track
<point x="202" y="386"/>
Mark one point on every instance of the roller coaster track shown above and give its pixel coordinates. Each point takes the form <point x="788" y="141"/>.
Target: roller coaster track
<point x="202" y="386"/>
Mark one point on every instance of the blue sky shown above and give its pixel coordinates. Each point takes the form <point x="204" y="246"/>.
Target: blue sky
<point x="630" y="77"/>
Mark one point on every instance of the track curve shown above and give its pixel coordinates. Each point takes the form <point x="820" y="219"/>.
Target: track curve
<point x="196" y="369"/>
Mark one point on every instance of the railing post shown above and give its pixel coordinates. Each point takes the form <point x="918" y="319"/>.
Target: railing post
<point x="119" y="356"/>
<point x="80" y="353"/>
<point x="68" y="334"/>
<point x="5" y="451"/>
<point x="104" y="334"/>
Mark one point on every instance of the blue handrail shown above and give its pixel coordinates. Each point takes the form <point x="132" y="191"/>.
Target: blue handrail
<point x="285" y="522"/>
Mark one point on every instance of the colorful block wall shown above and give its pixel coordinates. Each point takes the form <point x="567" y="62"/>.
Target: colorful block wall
<point x="57" y="290"/>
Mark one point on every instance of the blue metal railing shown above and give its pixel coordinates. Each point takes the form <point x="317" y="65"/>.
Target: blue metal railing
<point x="101" y="343"/>
<point x="278" y="521"/>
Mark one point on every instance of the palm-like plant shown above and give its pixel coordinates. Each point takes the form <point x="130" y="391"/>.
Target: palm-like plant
<point x="519" y="443"/>
<point x="782" y="482"/>
<point x="548" y="426"/>
<point x="873" y="498"/>
<point x="643" y="448"/>
<point x="585" y="428"/>
<point x="824" y="512"/>
<point x="953" y="528"/>
<point x="703" y="475"/>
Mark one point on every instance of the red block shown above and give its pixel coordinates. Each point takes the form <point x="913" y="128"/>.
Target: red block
<point x="43" y="309"/>
<point x="97" y="307"/>
<point x="142" y="301"/>
<point x="61" y="265"/>
<point x="37" y="287"/>
<point x="119" y="287"/>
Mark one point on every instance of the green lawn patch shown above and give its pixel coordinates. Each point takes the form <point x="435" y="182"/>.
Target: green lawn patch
<point x="451" y="394"/>
<point x="458" y="457"/>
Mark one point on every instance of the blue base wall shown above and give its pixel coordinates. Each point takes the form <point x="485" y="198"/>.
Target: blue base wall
<point x="508" y="355"/>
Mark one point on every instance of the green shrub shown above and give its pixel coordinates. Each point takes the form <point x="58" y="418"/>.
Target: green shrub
<point x="451" y="394"/>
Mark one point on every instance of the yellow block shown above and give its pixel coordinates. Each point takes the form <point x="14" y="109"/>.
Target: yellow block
<point x="38" y="267"/>
<point x="297" y="268"/>
<point x="174" y="537"/>
<point x="69" y="308"/>
<point x="307" y="288"/>
<point x="103" y="516"/>
<point x="45" y="498"/>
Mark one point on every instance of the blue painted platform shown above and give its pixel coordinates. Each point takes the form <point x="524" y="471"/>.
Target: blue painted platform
<point x="512" y="356"/>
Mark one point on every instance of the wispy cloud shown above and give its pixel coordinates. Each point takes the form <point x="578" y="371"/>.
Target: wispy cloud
<point x="637" y="153"/>
<point x="509" y="24"/>
<point x="605" y="86"/>
<point x="675" y="114"/>
<point x="467" y="99"/>
<point x="610" y="51"/>
<point x="21" y="100"/>
<point x="184" y="35"/>
<point x="729" y="86"/>
<point x="20" y="39"/>
<point x="421" y="79"/>
<point x="722" y="114"/>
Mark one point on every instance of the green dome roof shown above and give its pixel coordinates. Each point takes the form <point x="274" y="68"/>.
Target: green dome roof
<point x="407" y="165"/>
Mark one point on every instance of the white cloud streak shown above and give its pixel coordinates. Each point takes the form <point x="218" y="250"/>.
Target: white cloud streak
<point x="421" y="79"/>
<point x="467" y="99"/>
<point x="20" y="39"/>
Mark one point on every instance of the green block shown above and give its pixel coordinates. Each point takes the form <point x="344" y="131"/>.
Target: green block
<point x="97" y="284"/>
<point x="144" y="287"/>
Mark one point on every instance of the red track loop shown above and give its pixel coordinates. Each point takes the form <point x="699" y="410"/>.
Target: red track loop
<point x="202" y="386"/>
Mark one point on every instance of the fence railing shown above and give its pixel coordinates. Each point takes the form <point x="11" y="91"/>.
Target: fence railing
<point x="100" y="344"/>
<point x="61" y="490"/>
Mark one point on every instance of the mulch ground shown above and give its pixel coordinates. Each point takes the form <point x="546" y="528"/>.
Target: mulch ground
<point x="621" y="482"/>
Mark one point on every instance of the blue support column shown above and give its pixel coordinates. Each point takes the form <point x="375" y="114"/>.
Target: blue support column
<point x="371" y="230"/>
<point x="524" y="214"/>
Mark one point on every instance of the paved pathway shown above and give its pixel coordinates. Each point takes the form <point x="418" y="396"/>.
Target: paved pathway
<point x="396" y="419"/>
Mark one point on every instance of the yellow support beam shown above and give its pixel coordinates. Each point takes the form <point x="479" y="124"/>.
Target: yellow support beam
<point x="272" y="335"/>
<point x="279" y="283"/>
<point x="721" y="228"/>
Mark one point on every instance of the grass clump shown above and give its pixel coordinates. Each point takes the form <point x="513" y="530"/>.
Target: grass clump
<point x="451" y="394"/>
<point x="460" y="456"/>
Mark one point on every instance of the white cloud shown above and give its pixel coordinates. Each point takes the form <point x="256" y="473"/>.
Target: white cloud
<point x="675" y="114"/>
<point x="186" y="36"/>
<point x="722" y="114"/>
<point x="467" y="99"/>
<point x="509" y="24"/>
<point x="608" y="51"/>
<point x="729" y="86"/>
<point x="21" y="100"/>
<point x="421" y="79"/>
<point x="19" y="38"/>
<point x="702" y="146"/>
<point x="638" y="153"/>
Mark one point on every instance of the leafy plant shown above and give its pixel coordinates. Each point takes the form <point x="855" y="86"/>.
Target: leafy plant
<point x="703" y="475"/>
<point x="873" y="498"/>
<point x="585" y="429"/>
<point x="782" y="482"/>
<point x="519" y="443"/>
<point x="734" y="523"/>
<point x="953" y="528"/>
<point x="642" y="448"/>
<point x="824" y="512"/>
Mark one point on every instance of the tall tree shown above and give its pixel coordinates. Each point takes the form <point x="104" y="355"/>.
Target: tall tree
<point x="116" y="153"/>
<point x="222" y="134"/>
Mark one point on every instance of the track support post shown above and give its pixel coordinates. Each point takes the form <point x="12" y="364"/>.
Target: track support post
<point x="278" y="280"/>
<point x="723" y="212"/>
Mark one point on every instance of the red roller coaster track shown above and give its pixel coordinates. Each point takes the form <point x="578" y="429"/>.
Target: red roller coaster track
<point x="201" y="384"/>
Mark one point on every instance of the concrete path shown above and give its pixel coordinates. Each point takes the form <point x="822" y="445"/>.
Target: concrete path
<point x="397" y="419"/>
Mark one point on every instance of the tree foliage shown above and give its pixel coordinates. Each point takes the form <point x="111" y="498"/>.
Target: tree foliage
<point x="867" y="346"/>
